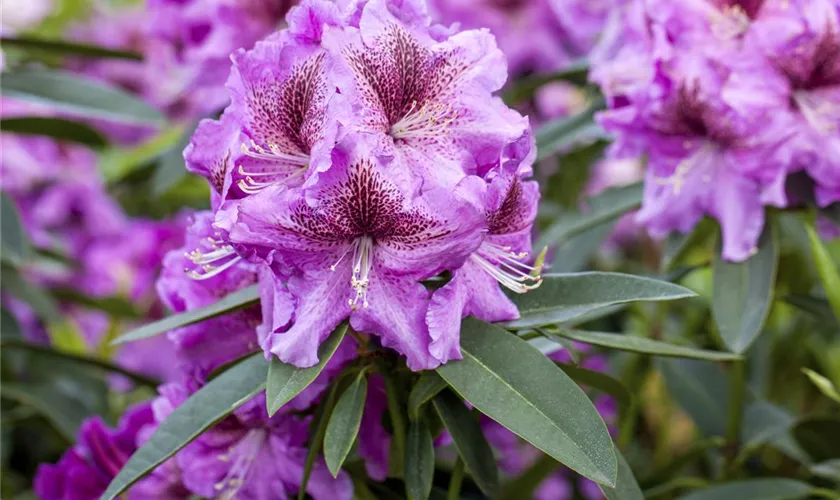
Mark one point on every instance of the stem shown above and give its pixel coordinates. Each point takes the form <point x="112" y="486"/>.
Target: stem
<point x="456" y="480"/>
<point x="398" y="424"/>
<point x="737" y="390"/>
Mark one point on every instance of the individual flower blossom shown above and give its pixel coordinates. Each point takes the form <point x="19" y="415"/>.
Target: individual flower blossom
<point x="426" y="96"/>
<point x="249" y="455"/>
<point x="622" y="60"/>
<point x="510" y="207"/>
<point x="359" y="248"/>
<point x="528" y="31"/>
<point x="801" y="43"/>
<point x="86" y="469"/>
<point x="275" y="126"/>
<point x="192" y="277"/>
<point x="704" y="156"/>
<point x="20" y="15"/>
<point x="191" y="41"/>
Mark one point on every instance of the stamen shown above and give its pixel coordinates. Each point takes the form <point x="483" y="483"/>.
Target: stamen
<point x="251" y="186"/>
<point x="246" y="451"/>
<point x="430" y="120"/>
<point x="730" y="22"/>
<point x="822" y="114"/>
<point x="211" y="263"/>
<point x="677" y="179"/>
<point x="273" y="153"/>
<point x="507" y="267"/>
<point x="362" y="264"/>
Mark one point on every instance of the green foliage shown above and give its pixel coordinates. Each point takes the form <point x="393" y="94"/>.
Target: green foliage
<point x="219" y="398"/>
<point x="241" y="299"/>
<point x="743" y="293"/>
<point x="79" y="96"/>
<point x="344" y="424"/>
<point x="286" y="381"/>
<point x="531" y="397"/>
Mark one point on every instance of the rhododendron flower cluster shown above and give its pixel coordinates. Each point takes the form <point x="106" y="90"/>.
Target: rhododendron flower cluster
<point x="364" y="152"/>
<point x="727" y="100"/>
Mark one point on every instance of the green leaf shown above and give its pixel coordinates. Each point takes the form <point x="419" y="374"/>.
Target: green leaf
<point x="14" y="244"/>
<point x="66" y="414"/>
<point x="118" y="163"/>
<point x="563" y="132"/>
<point x="819" y="437"/>
<point x="9" y="327"/>
<point x="573" y="254"/>
<point x="701" y="389"/>
<point x="427" y="386"/>
<point x="826" y="268"/>
<point x="80" y="359"/>
<point x="678" y="246"/>
<point x="117" y="307"/>
<point x="419" y="461"/>
<point x="171" y="168"/>
<point x="816" y="306"/>
<point x="626" y="487"/>
<point x="240" y="299"/>
<point x="642" y="345"/>
<point x="517" y="386"/>
<point x="78" y="95"/>
<point x="830" y="469"/>
<point x="599" y="209"/>
<point x="753" y="489"/>
<point x="210" y="404"/>
<point x="318" y="428"/>
<point x="469" y="439"/>
<point x="743" y="293"/>
<point x="764" y="422"/>
<point x="344" y="424"/>
<point x="40" y="301"/>
<point x="566" y="185"/>
<point x="286" y="381"/>
<point x="564" y="297"/>
<point x="65" y="48"/>
<point x="57" y="128"/>
<point x="599" y="381"/>
<point x="396" y="411"/>
<point x="524" y="88"/>
<point x="823" y="384"/>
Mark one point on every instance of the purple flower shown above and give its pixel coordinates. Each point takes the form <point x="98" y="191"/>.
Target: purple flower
<point x="801" y="43"/>
<point x="192" y="277"/>
<point x="424" y="95"/>
<point x="358" y="248"/>
<point x="87" y="468"/>
<point x="705" y="156"/>
<point x="535" y="35"/>
<point x="248" y="455"/>
<point x="510" y="209"/>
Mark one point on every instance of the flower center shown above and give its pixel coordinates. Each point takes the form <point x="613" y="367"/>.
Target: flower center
<point x="362" y="263"/>
<point x="677" y="179"/>
<point x="822" y="114"/>
<point x="220" y="258"/>
<point x="730" y="22"/>
<point x="507" y="267"/>
<point x="429" y="120"/>
<point x="244" y="453"/>
<point x="287" y="167"/>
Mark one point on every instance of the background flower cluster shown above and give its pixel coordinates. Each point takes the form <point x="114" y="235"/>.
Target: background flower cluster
<point x="357" y="187"/>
